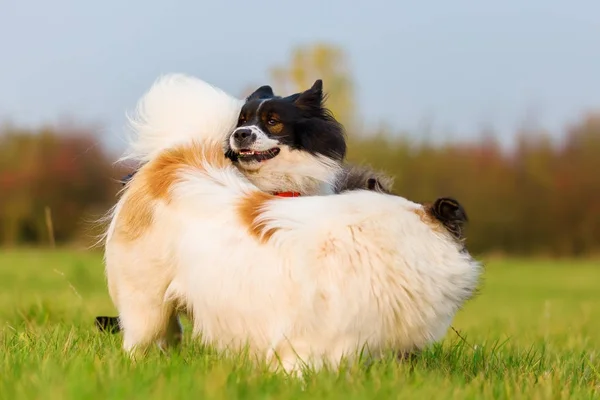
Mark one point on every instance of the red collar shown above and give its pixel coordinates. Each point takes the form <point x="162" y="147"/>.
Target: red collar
<point x="287" y="194"/>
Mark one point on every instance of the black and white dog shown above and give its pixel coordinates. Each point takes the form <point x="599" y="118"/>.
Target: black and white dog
<point x="290" y="146"/>
<point x="294" y="145"/>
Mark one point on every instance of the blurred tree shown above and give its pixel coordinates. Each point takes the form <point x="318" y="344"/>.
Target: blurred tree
<point x="63" y="170"/>
<point x="320" y="61"/>
<point x="577" y="175"/>
<point x="543" y="197"/>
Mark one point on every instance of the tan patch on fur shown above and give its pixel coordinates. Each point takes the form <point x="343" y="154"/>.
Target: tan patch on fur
<point x="327" y="248"/>
<point x="154" y="180"/>
<point x="249" y="209"/>
<point x="425" y="214"/>
<point x="136" y="215"/>
<point x="276" y="128"/>
<point x="163" y="172"/>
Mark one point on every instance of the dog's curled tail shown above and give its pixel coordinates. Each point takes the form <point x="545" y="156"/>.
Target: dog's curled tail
<point x="176" y="109"/>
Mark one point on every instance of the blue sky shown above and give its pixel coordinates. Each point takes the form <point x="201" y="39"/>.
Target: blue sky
<point x="460" y="64"/>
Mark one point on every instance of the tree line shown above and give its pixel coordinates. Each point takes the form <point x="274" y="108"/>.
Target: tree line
<point x="540" y="198"/>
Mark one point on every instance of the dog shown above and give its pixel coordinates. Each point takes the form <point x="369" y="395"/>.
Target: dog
<point x="295" y="145"/>
<point x="310" y="280"/>
<point x="291" y="144"/>
<point x="288" y="146"/>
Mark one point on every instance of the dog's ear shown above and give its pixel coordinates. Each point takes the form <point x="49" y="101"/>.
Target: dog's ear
<point x="451" y="214"/>
<point x="311" y="98"/>
<point x="380" y="184"/>
<point x="447" y="209"/>
<point x="373" y="184"/>
<point x="263" y="92"/>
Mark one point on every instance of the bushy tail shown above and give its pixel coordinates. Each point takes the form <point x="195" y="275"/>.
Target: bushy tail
<point x="179" y="108"/>
<point x="176" y="109"/>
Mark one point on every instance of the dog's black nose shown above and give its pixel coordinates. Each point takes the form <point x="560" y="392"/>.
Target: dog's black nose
<point x="240" y="134"/>
<point x="243" y="137"/>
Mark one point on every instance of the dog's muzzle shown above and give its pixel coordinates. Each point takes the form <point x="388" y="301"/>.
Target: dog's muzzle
<point x="243" y="138"/>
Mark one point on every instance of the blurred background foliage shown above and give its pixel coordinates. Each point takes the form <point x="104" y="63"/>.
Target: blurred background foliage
<point x="540" y="197"/>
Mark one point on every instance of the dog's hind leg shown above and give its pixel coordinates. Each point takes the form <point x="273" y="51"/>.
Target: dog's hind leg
<point x="173" y="334"/>
<point x="145" y="321"/>
<point x="292" y="358"/>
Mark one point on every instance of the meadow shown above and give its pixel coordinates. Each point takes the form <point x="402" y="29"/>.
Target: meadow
<point x="533" y="332"/>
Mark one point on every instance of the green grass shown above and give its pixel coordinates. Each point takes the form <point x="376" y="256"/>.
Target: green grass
<point x="532" y="333"/>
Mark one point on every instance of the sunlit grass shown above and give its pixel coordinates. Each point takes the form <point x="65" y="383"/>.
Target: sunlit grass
<point x="532" y="333"/>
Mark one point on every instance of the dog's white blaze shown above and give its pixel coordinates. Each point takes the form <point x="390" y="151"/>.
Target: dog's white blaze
<point x="261" y="143"/>
<point x="260" y="105"/>
<point x="340" y="272"/>
<point x="294" y="170"/>
<point x="290" y="170"/>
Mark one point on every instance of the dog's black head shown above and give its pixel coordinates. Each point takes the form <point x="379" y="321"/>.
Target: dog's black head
<point x="272" y="127"/>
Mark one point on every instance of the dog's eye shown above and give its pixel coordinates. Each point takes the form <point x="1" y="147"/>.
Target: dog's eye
<point x="272" y="121"/>
<point x="241" y="120"/>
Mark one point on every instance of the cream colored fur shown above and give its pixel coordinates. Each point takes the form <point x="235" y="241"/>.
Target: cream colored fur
<point x="359" y="271"/>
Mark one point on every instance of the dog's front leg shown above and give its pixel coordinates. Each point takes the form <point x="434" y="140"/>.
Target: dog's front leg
<point x="293" y="357"/>
<point x="173" y="334"/>
<point x="145" y="320"/>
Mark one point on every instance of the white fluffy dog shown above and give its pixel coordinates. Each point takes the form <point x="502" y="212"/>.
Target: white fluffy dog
<point x="296" y="280"/>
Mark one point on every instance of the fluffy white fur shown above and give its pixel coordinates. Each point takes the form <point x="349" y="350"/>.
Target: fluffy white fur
<point x="168" y="114"/>
<point x="174" y="110"/>
<point x="341" y="274"/>
<point x="296" y="171"/>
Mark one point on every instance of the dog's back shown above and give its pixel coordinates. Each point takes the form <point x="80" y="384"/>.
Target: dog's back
<point x="310" y="278"/>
